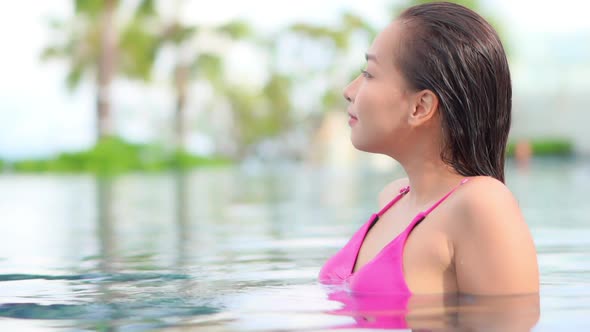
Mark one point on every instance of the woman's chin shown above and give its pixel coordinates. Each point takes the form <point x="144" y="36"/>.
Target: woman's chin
<point x="360" y="145"/>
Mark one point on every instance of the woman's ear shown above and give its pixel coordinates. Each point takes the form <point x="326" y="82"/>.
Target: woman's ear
<point x="424" y="108"/>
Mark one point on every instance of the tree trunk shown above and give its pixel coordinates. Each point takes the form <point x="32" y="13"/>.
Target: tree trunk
<point x="181" y="76"/>
<point x="106" y="69"/>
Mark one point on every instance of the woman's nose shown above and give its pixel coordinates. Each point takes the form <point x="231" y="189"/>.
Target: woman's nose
<point x="346" y="96"/>
<point x="350" y="91"/>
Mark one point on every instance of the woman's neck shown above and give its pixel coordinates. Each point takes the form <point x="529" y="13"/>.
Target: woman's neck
<point x="429" y="180"/>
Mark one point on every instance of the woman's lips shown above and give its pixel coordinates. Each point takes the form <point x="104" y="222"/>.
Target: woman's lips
<point x="353" y="119"/>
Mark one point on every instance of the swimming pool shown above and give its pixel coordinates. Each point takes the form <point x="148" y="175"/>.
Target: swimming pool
<point x="240" y="248"/>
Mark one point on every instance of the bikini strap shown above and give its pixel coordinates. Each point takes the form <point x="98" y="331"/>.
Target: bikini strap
<point x="425" y="213"/>
<point x="402" y="192"/>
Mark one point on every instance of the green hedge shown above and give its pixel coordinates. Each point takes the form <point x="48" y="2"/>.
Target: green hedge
<point x="114" y="155"/>
<point x="546" y="147"/>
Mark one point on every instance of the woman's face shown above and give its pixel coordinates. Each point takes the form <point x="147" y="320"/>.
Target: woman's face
<point x="379" y="100"/>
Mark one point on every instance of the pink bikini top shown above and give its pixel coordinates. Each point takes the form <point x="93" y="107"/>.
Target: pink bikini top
<point x="384" y="273"/>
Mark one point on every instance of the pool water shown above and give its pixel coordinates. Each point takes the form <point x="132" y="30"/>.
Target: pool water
<point x="239" y="248"/>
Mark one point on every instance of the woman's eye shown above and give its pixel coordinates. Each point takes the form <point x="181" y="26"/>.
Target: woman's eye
<point x="366" y="74"/>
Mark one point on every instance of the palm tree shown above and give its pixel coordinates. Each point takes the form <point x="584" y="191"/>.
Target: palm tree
<point x="95" y="45"/>
<point x="193" y="63"/>
<point x="106" y="68"/>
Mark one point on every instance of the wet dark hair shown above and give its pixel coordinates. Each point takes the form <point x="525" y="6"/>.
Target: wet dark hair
<point x="455" y="53"/>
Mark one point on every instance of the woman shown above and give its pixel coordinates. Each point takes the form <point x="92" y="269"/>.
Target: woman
<point x="436" y="97"/>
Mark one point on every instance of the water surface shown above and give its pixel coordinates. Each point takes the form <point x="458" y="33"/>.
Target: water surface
<point x="239" y="248"/>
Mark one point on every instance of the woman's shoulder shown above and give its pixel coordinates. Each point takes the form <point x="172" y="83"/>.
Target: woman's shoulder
<point x="483" y="194"/>
<point x="484" y="205"/>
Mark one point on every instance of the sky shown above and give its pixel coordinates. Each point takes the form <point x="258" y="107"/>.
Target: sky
<point x="38" y="116"/>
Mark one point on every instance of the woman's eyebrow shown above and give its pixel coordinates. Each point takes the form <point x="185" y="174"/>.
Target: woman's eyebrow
<point x="369" y="56"/>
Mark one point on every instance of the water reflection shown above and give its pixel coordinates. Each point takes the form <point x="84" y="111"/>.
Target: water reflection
<point x="105" y="227"/>
<point x="448" y="312"/>
<point x="107" y="246"/>
<point x="182" y="223"/>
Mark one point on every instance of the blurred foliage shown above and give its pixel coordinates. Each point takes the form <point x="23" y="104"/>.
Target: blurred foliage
<point x="338" y="41"/>
<point x="88" y="7"/>
<point x="113" y="155"/>
<point x="78" y="41"/>
<point x="236" y="30"/>
<point x="210" y="67"/>
<point x="339" y="36"/>
<point x="261" y="114"/>
<point x="545" y="147"/>
<point x="138" y="43"/>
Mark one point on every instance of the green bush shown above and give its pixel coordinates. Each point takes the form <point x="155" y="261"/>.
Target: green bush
<point x="546" y="147"/>
<point x="114" y="155"/>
